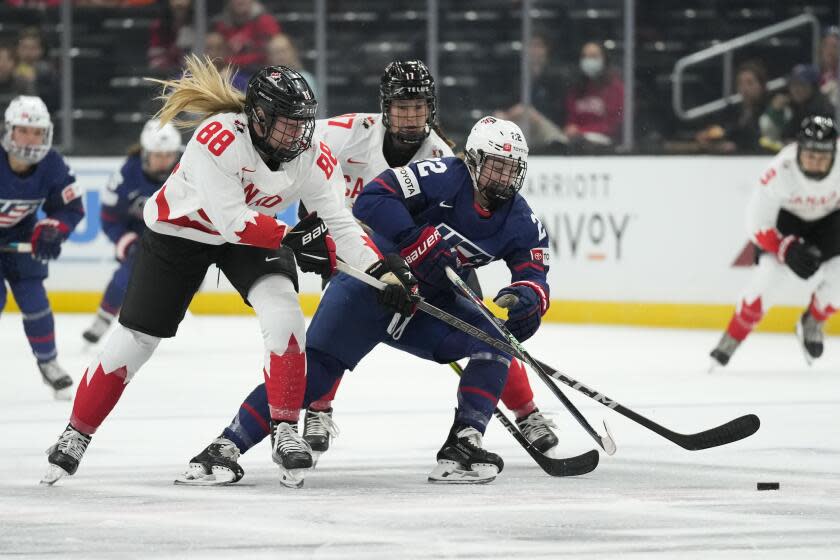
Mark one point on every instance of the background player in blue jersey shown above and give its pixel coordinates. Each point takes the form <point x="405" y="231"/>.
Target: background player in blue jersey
<point x="34" y="176"/>
<point x="147" y="167"/>
<point x="436" y="213"/>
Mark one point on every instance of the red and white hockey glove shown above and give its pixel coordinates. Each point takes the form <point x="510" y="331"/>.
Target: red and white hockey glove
<point x="428" y="254"/>
<point x="47" y="238"/>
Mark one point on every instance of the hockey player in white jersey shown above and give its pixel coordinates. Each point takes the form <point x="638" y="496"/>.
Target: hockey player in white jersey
<point x="794" y="221"/>
<point x="250" y="157"/>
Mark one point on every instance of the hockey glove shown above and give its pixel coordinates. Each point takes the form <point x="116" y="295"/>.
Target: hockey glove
<point x="127" y="246"/>
<point x="401" y="285"/>
<point x="525" y="309"/>
<point x="804" y="260"/>
<point x="313" y="246"/>
<point x="428" y="254"/>
<point x="47" y="239"/>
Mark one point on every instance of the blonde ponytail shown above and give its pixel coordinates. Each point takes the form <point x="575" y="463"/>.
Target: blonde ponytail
<point x="202" y="91"/>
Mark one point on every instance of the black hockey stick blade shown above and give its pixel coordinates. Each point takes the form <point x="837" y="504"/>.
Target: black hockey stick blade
<point x="568" y="466"/>
<point x="732" y="431"/>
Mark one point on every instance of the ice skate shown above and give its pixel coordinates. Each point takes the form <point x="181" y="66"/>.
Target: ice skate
<point x="57" y="379"/>
<point x="537" y="429"/>
<point x="291" y="453"/>
<point x="722" y="353"/>
<point x="809" y="331"/>
<point x="65" y="455"/>
<point x="101" y="324"/>
<point x="318" y="430"/>
<point x="216" y="465"/>
<point x="463" y="460"/>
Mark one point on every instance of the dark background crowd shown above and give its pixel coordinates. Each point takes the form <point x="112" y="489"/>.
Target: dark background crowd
<point x="576" y="64"/>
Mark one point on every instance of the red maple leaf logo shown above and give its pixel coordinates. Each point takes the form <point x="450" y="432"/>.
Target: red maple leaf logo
<point x="262" y="232"/>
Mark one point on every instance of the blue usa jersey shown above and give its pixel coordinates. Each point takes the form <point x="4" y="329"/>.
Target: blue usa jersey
<point x="123" y="200"/>
<point x="50" y="185"/>
<point x="440" y="192"/>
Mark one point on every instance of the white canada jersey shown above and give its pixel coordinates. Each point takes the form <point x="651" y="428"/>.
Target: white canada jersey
<point x="783" y="186"/>
<point x="357" y="139"/>
<point x="223" y="192"/>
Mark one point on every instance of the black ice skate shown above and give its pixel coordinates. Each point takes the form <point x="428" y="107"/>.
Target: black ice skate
<point x="722" y="353"/>
<point x="463" y="460"/>
<point x="537" y="429"/>
<point x="99" y="327"/>
<point x="318" y="430"/>
<point x="65" y="455"/>
<point x="57" y="379"/>
<point x="214" y="466"/>
<point x="291" y="453"/>
<point x="809" y="331"/>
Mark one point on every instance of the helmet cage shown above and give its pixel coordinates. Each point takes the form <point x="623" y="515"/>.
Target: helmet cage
<point x="501" y="185"/>
<point x="408" y="80"/>
<point x="274" y="93"/>
<point x="31" y="154"/>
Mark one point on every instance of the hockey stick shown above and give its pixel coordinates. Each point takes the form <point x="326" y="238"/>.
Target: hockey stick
<point x="16" y="248"/>
<point x="605" y="442"/>
<point x="569" y="466"/>
<point x="729" y="432"/>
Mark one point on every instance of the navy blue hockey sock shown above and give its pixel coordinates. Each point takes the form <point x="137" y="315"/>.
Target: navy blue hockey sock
<point x="251" y="423"/>
<point x="115" y="292"/>
<point x="478" y="392"/>
<point x="38" y="323"/>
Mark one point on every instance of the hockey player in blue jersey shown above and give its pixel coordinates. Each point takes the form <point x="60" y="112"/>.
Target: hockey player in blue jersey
<point x="33" y="177"/>
<point x="147" y="167"/>
<point x="436" y="213"/>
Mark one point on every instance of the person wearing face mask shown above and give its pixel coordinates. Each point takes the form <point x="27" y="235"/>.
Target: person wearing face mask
<point x="794" y="223"/>
<point x="595" y="103"/>
<point x="147" y="167"/>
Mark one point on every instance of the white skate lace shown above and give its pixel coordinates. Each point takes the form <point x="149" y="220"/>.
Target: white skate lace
<point x="72" y="443"/>
<point x="535" y="426"/>
<point x="727" y="344"/>
<point x="320" y="424"/>
<point x="52" y="371"/>
<point x="472" y="436"/>
<point x="226" y="448"/>
<point x="99" y="326"/>
<point x="811" y="329"/>
<point x="287" y="440"/>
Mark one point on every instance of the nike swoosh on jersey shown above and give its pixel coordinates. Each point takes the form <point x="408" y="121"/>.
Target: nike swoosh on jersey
<point x="445" y="205"/>
<point x="351" y="160"/>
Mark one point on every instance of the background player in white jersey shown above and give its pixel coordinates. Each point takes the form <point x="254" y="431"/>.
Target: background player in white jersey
<point x="793" y="219"/>
<point x="148" y="165"/>
<point x="251" y="156"/>
<point x="33" y="176"/>
<point x="366" y="144"/>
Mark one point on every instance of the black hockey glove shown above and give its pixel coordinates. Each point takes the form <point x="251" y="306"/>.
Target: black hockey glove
<point x="313" y="246"/>
<point x="401" y="285"/>
<point x="47" y="238"/>
<point x="803" y="259"/>
<point x="524" y="307"/>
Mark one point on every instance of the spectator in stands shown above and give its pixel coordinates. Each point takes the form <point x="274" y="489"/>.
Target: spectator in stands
<point x="829" y="53"/>
<point x="32" y="67"/>
<point x="217" y="49"/>
<point x="11" y="85"/>
<point x="247" y="27"/>
<point x="595" y="102"/>
<point x="172" y="35"/>
<point x="282" y="51"/>
<point x="804" y="98"/>
<point x="547" y="111"/>
<point x="742" y="131"/>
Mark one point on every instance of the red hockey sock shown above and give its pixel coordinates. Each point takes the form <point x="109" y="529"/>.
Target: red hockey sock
<point x="820" y="314"/>
<point x="96" y="397"/>
<point x="745" y="319"/>
<point x="285" y="382"/>
<point x="517" y="394"/>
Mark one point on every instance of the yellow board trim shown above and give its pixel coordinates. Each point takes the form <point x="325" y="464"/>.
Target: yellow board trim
<point x="641" y="314"/>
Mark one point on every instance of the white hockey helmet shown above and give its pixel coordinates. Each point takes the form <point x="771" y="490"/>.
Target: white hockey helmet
<point x="500" y="141"/>
<point x="157" y="138"/>
<point x="27" y="110"/>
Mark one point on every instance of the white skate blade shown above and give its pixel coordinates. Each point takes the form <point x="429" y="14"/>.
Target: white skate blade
<point x="315" y="456"/>
<point x="292" y="478"/>
<point x="53" y="474"/>
<point x="65" y="394"/>
<point x="195" y="476"/>
<point x="450" y="472"/>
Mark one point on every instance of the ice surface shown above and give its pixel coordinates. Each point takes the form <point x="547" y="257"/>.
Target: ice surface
<point x="369" y="497"/>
